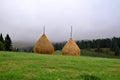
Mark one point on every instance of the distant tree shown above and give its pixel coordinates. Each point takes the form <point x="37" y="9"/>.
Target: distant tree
<point x="78" y="43"/>
<point x="117" y="51"/>
<point x="119" y="42"/>
<point x="94" y="44"/>
<point x="56" y="46"/>
<point x="59" y="46"/>
<point x="89" y="44"/>
<point x="1" y="46"/>
<point x="113" y="44"/>
<point x="108" y="43"/>
<point x="1" y="38"/>
<point x="8" y="43"/>
<point x="82" y="44"/>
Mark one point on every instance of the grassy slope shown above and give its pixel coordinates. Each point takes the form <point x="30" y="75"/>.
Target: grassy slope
<point x="24" y="66"/>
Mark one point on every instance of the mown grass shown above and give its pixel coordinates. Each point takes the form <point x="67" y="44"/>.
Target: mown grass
<point x="25" y="66"/>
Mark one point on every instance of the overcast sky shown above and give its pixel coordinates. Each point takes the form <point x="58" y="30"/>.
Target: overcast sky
<point x="91" y="19"/>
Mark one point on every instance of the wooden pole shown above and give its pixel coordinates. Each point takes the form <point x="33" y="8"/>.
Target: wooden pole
<point x="44" y="30"/>
<point x="71" y="32"/>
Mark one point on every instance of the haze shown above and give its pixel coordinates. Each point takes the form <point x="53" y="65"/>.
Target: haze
<point x="23" y="20"/>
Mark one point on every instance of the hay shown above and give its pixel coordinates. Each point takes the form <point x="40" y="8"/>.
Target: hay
<point x="43" y="45"/>
<point x="71" y="48"/>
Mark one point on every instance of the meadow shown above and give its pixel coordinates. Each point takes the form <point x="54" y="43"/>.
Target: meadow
<point x="29" y="66"/>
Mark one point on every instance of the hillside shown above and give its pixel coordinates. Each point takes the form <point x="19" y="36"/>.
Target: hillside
<point x="24" y="66"/>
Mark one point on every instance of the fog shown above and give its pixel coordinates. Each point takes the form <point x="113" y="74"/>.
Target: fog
<point x="24" y="20"/>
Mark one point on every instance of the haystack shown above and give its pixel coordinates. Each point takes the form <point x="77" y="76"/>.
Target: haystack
<point x="71" y="48"/>
<point x="43" y="45"/>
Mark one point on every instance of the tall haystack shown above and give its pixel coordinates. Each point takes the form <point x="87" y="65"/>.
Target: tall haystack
<point x="71" y="47"/>
<point x="43" y="45"/>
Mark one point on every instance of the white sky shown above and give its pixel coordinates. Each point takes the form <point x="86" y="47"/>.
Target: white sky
<point x="91" y="19"/>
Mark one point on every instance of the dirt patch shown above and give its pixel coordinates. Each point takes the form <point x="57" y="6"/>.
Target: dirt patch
<point x="29" y="75"/>
<point x="49" y="69"/>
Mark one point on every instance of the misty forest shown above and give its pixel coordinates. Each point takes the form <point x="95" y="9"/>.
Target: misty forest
<point x="109" y="46"/>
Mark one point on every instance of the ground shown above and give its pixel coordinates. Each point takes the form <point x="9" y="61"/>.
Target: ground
<point x="29" y="66"/>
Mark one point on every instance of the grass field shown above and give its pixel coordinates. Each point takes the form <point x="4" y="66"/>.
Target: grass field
<point x="25" y="66"/>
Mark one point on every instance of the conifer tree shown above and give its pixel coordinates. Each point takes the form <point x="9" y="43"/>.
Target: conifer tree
<point x="8" y="43"/>
<point x="1" y="38"/>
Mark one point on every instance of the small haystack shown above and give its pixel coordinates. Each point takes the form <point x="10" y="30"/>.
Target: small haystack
<point x="43" y="45"/>
<point x="71" y="47"/>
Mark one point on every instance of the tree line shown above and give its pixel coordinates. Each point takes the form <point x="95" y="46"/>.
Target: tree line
<point x="5" y="43"/>
<point x="113" y="44"/>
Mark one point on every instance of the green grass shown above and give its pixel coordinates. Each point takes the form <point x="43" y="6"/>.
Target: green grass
<point x="25" y="66"/>
<point x="98" y="54"/>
